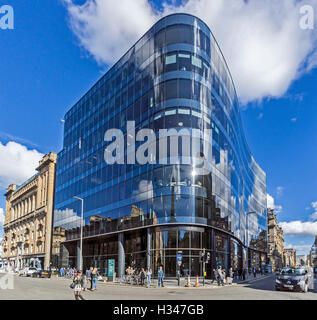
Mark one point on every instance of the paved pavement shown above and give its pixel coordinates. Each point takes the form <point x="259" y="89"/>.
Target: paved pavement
<point x="58" y="289"/>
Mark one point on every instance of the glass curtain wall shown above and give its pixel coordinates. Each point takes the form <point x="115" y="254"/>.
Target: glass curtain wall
<point x="174" y="77"/>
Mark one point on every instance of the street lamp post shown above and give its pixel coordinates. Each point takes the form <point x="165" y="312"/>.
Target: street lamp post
<point x="81" y="232"/>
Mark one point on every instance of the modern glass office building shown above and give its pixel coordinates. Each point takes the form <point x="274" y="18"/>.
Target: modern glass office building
<point x="174" y="77"/>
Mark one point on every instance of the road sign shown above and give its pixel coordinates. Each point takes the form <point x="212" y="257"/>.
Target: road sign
<point x="179" y="257"/>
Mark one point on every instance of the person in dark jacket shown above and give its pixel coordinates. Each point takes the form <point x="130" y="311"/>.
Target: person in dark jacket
<point x="240" y="274"/>
<point x="89" y="277"/>
<point x="79" y="284"/>
<point x="214" y="275"/>
<point x="142" y="276"/>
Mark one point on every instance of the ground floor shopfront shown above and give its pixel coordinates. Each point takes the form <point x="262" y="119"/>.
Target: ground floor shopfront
<point x="36" y="261"/>
<point x="176" y="248"/>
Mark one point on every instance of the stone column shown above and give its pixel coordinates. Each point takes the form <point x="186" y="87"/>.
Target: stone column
<point x="50" y="209"/>
<point x="121" y="255"/>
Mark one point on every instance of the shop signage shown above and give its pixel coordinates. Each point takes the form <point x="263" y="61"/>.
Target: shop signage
<point x="111" y="263"/>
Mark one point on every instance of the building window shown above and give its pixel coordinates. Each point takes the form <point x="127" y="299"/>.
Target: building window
<point x="196" y="62"/>
<point x="170" y="59"/>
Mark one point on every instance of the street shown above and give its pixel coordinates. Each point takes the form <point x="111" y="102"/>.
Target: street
<point x="58" y="289"/>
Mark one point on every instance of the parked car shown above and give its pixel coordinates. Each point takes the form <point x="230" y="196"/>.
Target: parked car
<point x="295" y="279"/>
<point x="23" y="272"/>
<point x="41" y="274"/>
<point x="27" y="272"/>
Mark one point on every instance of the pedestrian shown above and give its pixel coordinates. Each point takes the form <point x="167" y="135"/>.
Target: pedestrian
<point x="220" y="276"/>
<point x="214" y="276"/>
<point x="244" y="274"/>
<point x="224" y="278"/>
<point x="236" y="273"/>
<point x="142" y="276"/>
<point x="148" y="276"/>
<point x="128" y="272"/>
<point x="160" y="276"/>
<point x="78" y="284"/>
<point x="240" y="273"/>
<point x="71" y="272"/>
<point x="254" y="272"/>
<point x="94" y="276"/>
<point x="88" y="277"/>
<point x="230" y="276"/>
<point x="61" y="272"/>
<point x="85" y="282"/>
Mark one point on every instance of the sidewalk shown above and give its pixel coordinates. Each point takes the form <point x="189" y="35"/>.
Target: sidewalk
<point x="250" y="278"/>
<point x="173" y="284"/>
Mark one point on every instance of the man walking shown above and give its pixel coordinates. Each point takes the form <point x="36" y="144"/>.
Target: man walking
<point x="161" y="277"/>
<point x="88" y="277"/>
<point x="220" y="276"/>
<point x="214" y="276"/>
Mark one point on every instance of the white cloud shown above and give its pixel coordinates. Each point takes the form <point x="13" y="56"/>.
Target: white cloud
<point x="299" y="228"/>
<point x="271" y="204"/>
<point x="17" y="163"/>
<point x="279" y="191"/>
<point x="278" y="209"/>
<point x="314" y="215"/>
<point x="264" y="46"/>
<point x="270" y="201"/>
<point x="67" y="219"/>
<point x="294" y="119"/>
<point x="297" y="247"/>
<point x="107" y="29"/>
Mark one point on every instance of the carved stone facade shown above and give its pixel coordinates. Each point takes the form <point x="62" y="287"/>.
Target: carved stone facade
<point x="28" y="217"/>
<point x="290" y="258"/>
<point x="275" y="241"/>
<point x="312" y="256"/>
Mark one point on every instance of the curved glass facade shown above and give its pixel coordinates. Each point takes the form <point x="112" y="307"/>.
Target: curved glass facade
<point x="174" y="77"/>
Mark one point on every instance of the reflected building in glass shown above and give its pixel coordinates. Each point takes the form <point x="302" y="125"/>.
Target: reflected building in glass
<point x="174" y="77"/>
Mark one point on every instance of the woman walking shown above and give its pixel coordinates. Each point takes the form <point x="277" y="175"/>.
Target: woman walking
<point x="78" y="284"/>
<point x="230" y="276"/>
<point x="94" y="276"/>
<point x="148" y="276"/>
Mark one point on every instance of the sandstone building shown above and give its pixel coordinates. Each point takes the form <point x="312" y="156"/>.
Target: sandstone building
<point x="28" y="217"/>
<point x="275" y="241"/>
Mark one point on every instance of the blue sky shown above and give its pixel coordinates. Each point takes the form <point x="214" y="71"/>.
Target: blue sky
<point x="46" y="66"/>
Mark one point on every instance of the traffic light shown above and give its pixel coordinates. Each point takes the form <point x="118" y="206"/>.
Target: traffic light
<point x="202" y="256"/>
<point x="208" y="256"/>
